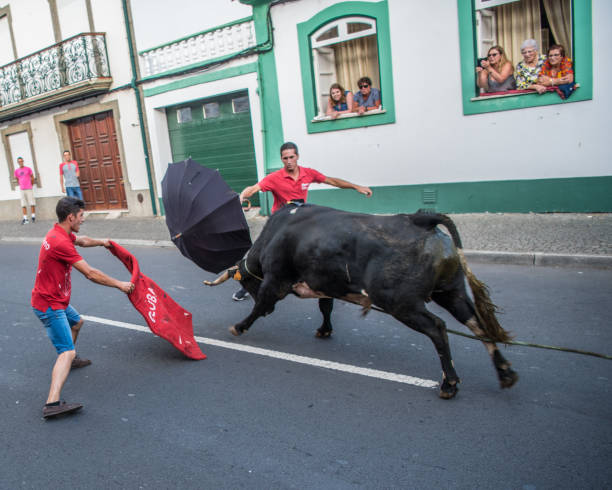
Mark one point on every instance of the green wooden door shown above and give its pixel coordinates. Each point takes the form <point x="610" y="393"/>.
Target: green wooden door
<point x="218" y="134"/>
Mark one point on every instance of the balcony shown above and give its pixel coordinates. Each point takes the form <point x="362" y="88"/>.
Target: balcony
<point x="206" y="46"/>
<point x="72" y="69"/>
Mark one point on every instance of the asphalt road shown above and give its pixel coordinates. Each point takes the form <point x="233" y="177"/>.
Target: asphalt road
<point x="154" y="419"/>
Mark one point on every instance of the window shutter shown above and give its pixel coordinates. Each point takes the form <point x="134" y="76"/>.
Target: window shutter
<point x="325" y="67"/>
<point x="486" y="29"/>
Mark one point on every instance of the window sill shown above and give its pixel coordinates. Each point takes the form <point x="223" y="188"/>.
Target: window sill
<point x="347" y="115"/>
<point x="510" y="93"/>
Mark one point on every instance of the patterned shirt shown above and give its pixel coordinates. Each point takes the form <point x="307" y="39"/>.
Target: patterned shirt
<point x="528" y="75"/>
<point x="565" y="68"/>
<point x="69" y="171"/>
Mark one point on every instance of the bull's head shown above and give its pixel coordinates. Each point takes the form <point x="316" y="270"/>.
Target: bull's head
<point x="239" y="273"/>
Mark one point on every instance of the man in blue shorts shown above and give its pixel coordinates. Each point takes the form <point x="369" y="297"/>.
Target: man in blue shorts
<point x="51" y="295"/>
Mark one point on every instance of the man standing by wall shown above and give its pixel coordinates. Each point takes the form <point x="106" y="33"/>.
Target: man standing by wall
<point x="291" y="183"/>
<point x="69" y="177"/>
<point x="25" y="178"/>
<point x="51" y="295"/>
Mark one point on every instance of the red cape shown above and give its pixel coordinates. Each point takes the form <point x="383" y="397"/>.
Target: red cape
<point x="165" y="317"/>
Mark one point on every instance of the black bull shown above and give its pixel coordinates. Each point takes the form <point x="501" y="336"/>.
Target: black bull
<point x="392" y="263"/>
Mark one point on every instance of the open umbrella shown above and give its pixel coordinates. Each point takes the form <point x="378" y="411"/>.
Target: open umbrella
<point x="204" y="216"/>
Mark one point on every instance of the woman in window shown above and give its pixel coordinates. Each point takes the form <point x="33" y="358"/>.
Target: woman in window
<point x="557" y="71"/>
<point x="340" y="101"/>
<point x="528" y="70"/>
<point x="495" y="74"/>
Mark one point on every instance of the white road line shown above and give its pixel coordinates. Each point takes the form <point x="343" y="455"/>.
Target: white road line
<point x="311" y="361"/>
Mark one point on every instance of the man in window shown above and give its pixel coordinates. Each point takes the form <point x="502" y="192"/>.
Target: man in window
<point x="367" y="98"/>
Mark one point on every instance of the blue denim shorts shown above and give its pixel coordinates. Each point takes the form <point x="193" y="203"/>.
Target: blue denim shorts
<point x="74" y="192"/>
<point x="58" y="323"/>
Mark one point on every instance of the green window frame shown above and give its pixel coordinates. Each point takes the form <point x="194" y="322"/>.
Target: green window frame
<point x="582" y="59"/>
<point x="378" y="11"/>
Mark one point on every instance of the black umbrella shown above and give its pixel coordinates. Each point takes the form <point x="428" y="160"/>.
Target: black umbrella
<point x="204" y="216"/>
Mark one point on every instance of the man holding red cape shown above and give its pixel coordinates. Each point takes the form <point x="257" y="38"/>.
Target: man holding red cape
<point x="51" y="295"/>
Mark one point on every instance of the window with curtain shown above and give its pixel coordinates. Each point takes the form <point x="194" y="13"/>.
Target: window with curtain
<point x="508" y="23"/>
<point x="343" y="51"/>
<point x="342" y="43"/>
<point x="485" y="23"/>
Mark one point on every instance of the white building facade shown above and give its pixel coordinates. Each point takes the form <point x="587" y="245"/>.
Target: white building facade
<point x="437" y="142"/>
<point x="229" y="95"/>
<point x="66" y="84"/>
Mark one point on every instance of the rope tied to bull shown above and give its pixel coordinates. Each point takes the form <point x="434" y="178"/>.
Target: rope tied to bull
<point x="246" y="267"/>
<point x="523" y="344"/>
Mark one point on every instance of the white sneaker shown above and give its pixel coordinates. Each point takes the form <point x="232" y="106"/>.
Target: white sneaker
<point x="24" y="221"/>
<point x="240" y="295"/>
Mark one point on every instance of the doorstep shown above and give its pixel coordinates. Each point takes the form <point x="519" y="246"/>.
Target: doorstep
<point x="105" y="214"/>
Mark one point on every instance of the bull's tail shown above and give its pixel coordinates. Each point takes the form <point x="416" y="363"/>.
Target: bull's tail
<point x="485" y="308"/>
<point x="429" y="220"/>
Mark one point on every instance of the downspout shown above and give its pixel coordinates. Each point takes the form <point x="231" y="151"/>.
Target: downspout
<point x="141" y="119"/>
<point x="268" y="89"/>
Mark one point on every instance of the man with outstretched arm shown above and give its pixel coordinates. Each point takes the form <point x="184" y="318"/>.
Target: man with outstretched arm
<point x="291" y="183"/>
<point x="51" y="295"/>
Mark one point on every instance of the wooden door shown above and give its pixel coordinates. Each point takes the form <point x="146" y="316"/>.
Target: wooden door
<point x="94" y="147"/>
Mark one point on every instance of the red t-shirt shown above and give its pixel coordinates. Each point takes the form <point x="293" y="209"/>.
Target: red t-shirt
<point x="57" y="254"/>
<point x="285" y="189"/>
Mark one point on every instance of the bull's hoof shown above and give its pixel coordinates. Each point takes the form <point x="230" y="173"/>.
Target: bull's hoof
<point x="234" y="331"/>
<point x="508" y="378"/>
<point x="323" y="334"/>
<point x="447" y="390"/>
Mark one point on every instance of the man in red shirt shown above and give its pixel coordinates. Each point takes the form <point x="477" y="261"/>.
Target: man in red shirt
<point x="291" y="183"/>
<point x="51" y="295"/>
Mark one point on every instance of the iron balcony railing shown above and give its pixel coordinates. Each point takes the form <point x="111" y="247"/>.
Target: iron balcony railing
<point x="79" y="60"/>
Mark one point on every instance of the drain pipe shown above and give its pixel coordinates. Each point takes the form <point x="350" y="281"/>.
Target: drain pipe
<point x="141" y="119"/>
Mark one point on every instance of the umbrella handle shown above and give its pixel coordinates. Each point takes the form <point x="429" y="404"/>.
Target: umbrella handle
<point x="248" y="206"/>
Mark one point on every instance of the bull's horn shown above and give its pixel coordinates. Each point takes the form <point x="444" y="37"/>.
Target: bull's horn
<point x="222" y="278"/>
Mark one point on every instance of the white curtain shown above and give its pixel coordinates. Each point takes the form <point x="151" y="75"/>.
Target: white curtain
<point x="355" y="59"/>
<point x="516" y="22"/>
<point x="559" y="13"/>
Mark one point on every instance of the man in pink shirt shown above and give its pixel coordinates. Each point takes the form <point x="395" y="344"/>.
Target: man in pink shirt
<point x="25" y="178"/>
<point x="291" y="183"/>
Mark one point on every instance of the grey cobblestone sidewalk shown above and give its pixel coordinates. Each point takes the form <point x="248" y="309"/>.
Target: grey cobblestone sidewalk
<point x="490" y="237"/>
